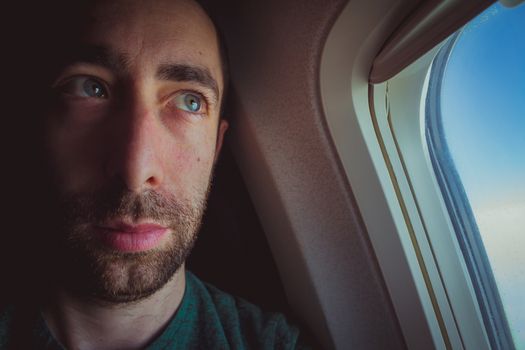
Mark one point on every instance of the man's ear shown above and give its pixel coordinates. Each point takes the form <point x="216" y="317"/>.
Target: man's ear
<point x="223" y="126"/>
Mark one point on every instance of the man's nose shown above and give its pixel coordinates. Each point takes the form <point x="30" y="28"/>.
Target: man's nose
<point x="135" y="157"/>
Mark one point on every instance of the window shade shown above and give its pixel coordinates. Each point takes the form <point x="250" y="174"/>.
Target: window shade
<point x="426" y="26"/>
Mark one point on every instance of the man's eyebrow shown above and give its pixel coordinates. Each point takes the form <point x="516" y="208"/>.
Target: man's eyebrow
<point x="184" y="72"/>
<point x="99" y="55"/>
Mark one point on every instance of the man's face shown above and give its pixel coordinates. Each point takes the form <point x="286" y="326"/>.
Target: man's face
<point x="132" y="137"/>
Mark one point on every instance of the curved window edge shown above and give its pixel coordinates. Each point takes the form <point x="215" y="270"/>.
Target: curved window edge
<point x="459" y="209"/>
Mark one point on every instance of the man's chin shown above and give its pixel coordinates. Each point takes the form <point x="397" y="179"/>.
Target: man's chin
<point x="132" y="277"/>
<point x="114" y="277"/>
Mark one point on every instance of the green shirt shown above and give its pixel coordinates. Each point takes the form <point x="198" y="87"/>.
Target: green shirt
<point x="207" y="318"/>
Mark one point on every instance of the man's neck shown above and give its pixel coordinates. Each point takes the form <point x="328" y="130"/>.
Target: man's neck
<point x="83" y="324"/>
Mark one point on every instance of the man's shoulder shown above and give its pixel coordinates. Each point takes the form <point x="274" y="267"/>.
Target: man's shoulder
<point x="244" y="324"/>
<point x="6" y="321"/>
<point x="6" y="311"/>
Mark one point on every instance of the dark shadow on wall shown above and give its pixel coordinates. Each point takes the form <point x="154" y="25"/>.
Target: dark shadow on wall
<point x="232" y="251"/>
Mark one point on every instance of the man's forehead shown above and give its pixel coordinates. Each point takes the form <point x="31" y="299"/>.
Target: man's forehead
<point x="171" y="11"/>
<point x="158" y="30"/>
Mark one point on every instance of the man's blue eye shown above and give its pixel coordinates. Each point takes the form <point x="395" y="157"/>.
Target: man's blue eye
<point x="84" y="86"/>
<point x="190" y="102"/>
<point x="93" y="88"/>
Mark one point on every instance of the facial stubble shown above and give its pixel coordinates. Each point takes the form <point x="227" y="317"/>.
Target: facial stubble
<point x="90" y="269"/>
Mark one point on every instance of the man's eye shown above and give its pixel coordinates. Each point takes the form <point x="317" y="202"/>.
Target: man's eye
<point x="190" y="102"/>
<point x="83" y="86"/>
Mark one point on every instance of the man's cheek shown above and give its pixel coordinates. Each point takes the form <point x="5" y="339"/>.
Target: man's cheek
<point x="71" y="112"/>
<point x="191" y="165"/>
<point x="75" y="157"/>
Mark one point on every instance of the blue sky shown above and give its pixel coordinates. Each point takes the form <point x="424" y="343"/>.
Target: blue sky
<point x="483" y="111"/>
<point x="484" y="105"/>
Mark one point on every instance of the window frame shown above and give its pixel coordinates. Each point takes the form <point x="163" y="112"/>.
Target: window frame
<point x="379" y="140"/>
<point x="400" y="111"/>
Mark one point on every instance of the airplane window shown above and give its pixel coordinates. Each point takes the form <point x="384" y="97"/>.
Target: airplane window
<point x="476" y="138"/>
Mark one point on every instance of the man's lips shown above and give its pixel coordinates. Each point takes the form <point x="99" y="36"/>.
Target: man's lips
<point x="131" y="238"/>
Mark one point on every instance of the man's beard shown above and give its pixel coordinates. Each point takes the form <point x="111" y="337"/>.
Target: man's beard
<point x="90" y="269"/>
